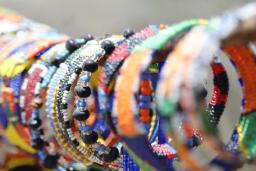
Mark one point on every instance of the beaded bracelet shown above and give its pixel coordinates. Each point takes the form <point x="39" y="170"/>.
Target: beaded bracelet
<point x="51" y="59"/>
<point x="9" y="66"/>
<point x="71" y="45"/>
<point x="216" y="95"/>
<point x="127" y="124"/>
<point x="188" y="54"/>
<point x="112" y="65"/>
<point x="94" y="51"/>
<point x="27" y="36"/>
<point x="11" y="86"/>
<point x="51" y="97"/>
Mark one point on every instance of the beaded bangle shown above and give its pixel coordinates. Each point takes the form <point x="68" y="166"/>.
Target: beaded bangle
<point x="9" y="68"/>
<point x="49" y="64"/>
<point x="112" y="65"/>
<point x="30" y="87"/>
<point x="92" y="51"/>
<point x="190" y="56"/>
<point x="110" y="68"/>
<point x="127" y="123"/>
<point x="11" y="86"/>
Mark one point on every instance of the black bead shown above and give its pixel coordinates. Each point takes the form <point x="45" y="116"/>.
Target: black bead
<point x="108" y="46"/>
<point x="83" y="91"/>
<point x="75" y="142"/>
<point x="55" y="61"/>
<point x="41" y="131"/>
<point x="64" y="106"/>
<point x="88" y="37"/>
<point x="81" y="115"/>
<point x="91" y="138"/>
<point x="196" y="141"/>
<point x="37" y="143"/>
<point x="128" y="33"/>
<point x="112" y="155"/>
<point x="68" y="86"/>
<point x="35" y="123"/>
<point x="78" y="70"/>
<point x="90" y="66"/>
<point x="74" y="44"/>
<point x="67" y="124"/>
<point x="221" y="80"/>
<point x="51" y="161"/>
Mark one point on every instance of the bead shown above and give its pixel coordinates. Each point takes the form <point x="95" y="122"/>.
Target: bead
<point x="112" y="155"/>
<point x="91" y="138"/>
<point x="144" y="104"/>
<point x="145" y="119"/>
<point x="90" y="66"/>
<point x="74" y="44"/>
<point x="64" y="106"/>
<point x="145" y="83"/>
<point x="83" y="92"/>
<point x="128" y="33"/>
<point x="35" y="123"/>
<point x="145" y="91"/>
<point x="144" y="98"/>
<point x="108" y="46"/>
<point x="56" y="60"/>
<point x="85" y="78"/>
<point x="88" y="37"/>
<point x="81" y="115"/>
<point x="67" y="124"/>
<point x="144" y="112"/>
<point x="75" y="142"/>
<point x="37" y="143"/>
<point x="68" y="87"/>
<point x="78" y="70"/>
<point x="51" y="161"/>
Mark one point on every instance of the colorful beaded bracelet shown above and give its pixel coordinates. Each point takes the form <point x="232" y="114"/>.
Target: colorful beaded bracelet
<point x="93" y="50"/>
<point x="127" y="123"/>
<point x="172" y="92"/>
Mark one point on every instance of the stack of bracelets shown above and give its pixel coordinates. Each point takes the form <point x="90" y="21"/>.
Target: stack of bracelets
<point x="134" y="101"/>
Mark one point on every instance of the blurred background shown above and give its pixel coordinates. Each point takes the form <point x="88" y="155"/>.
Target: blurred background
<point x="77" y="17"/>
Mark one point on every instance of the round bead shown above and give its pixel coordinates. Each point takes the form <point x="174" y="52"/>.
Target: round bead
<point x="108" y="46"/>
<point x="112" y="155"/>
<point x="91" y="138"/>
<point x="85" y="78"/>
<point x="51" y="161"/>
<point x="64" y="106"/>
<point x="37" y="143"/>
<point x="128" y="33"/>
<point x="55" y="61"/>
<point x="88" y="37"/>
<point x="78" y="70"/>
<point x="81" y="115"/>
<point x="83" y="92"/>
<point x="90" y="66"/>
<point x="74" y="44"/>
<point x="35" y="123"/>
